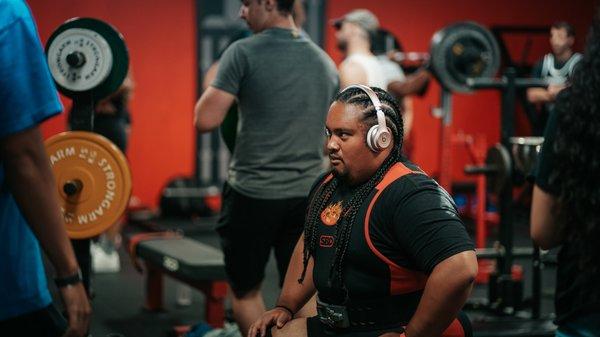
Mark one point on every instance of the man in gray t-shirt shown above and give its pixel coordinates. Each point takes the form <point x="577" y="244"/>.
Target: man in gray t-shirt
<point x="283" y="84"/>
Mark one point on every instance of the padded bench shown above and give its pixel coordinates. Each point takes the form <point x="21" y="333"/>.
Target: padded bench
<point x="189" y="261"/>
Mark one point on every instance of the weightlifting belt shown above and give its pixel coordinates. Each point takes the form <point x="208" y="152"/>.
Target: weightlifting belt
<point x="379" y="312"/>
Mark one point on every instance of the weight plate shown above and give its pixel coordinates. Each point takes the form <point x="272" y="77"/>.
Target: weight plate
<point x="87" y="58"/>
<point x="463" y="50"/>
<point x="498" y="158"/>
<point x="81" y="59"/>
<point x="93" y="181"/>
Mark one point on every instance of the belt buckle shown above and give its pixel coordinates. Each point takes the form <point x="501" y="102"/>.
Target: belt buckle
<point x="335" y="316"/>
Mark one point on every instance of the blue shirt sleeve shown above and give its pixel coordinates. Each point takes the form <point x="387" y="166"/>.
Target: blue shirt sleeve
<point x="27" y="93"/>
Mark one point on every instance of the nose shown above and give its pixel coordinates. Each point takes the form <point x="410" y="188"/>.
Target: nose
<point x="242" y="12"/>
<point x="332" y="145"/>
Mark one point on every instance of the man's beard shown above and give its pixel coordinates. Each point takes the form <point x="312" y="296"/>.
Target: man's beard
<point x="342" y="176"/>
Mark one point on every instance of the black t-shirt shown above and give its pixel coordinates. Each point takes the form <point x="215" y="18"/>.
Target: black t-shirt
<point x="546" y="159"/>
<point x="577" y="292"/>
<point x="412" y="226"/>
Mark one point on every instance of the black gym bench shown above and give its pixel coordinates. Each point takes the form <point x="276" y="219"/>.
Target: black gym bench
<point x="187" y="260"/>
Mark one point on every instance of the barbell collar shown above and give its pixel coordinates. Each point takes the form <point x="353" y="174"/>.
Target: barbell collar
<point x="76" y="59"/>
<point x="72" y="187"/>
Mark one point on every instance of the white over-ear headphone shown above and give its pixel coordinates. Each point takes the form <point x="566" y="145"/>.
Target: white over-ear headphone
<point x="379" y="136"/>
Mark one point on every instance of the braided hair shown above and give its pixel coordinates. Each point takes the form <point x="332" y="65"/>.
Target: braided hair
<point x="323" y="194"/>
<point x="577" y="158"/>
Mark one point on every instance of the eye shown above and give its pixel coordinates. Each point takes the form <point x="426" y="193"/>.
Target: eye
<point x="327" y="133"/>
<point x="344" y="135"/>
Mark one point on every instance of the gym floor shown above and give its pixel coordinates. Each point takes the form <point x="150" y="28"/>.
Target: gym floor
<point x="119" y="297"/>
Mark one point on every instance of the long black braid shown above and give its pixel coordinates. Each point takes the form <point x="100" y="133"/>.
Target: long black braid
<point x="324" y="193"/>
<point x="577" y="161"/>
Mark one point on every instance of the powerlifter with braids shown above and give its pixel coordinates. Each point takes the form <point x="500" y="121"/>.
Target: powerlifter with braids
<point x="383" y="247"/>
<point x="323" y="194"/>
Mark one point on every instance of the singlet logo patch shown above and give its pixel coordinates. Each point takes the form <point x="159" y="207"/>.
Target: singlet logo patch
<point x="326" y="241"/>
<point x="331" y="214"/>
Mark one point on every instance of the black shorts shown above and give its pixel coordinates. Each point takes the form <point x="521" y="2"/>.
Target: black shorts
<point x="47" y="322"/>
<point x="250" y="228"/>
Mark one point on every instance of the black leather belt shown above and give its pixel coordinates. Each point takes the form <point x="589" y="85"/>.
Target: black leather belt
<point x="378" y="312"/>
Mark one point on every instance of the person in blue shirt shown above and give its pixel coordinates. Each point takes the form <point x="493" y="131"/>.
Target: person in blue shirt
<point x="29" y="211"/>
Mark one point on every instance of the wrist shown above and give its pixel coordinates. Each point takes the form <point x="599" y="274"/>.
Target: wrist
<point x="67" y="271"/>
<point x="283" y="307"/>
<point x="65" y="264"/>
<point x="69" y="280"/>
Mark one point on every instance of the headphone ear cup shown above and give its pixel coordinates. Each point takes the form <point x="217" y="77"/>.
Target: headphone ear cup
<point x="372" y="138"/>
<point x="384" y="138"/>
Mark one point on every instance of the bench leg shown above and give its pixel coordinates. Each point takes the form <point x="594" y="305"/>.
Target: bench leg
<point x="154" y="288"/>
<point x="215" y="293"/>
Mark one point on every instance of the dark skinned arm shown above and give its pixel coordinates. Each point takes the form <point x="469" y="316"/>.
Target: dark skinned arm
<point x="446" y="291"/>
<point x="293" y="295"/>
<point x="413" y="84"/>
<point x="30" y="180"/>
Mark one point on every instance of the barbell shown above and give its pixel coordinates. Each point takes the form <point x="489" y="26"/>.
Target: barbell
<point x="88" y="60"/>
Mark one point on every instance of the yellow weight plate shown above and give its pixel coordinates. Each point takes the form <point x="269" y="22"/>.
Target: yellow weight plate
<point x="93" y="181"/>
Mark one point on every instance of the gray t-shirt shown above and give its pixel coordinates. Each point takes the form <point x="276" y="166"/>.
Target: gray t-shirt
<point x="284" y="84"/>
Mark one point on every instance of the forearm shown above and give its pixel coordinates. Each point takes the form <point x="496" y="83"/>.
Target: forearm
<point x="446" y="291"/>
<point x="202" y="119"/>
<point x="294" y="294"/>
<point x="31" y="182"/>
<point x="538" y="95"/>
<point x="407" y="116"/>
<point x="413" y="84"/>
<point x="211" y="109"/>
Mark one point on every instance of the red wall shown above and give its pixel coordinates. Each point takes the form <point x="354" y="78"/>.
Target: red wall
<point x="161" y="37"/>
<point x="414" y="22"/>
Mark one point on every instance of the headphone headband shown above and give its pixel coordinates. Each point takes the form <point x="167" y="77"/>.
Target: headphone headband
<point x="374" y="99"/>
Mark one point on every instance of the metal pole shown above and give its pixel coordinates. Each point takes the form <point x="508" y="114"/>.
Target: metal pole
<point x="445" y="178"/>
<point x="83" y="120"/>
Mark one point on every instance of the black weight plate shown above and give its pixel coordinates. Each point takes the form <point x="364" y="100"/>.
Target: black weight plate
<point x="499" y="159"/>
<point x="463" y="50"/>
<point x="118" y="49"/>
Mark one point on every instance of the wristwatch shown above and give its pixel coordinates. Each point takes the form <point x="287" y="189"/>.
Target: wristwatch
<point x="70" y="280"/>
